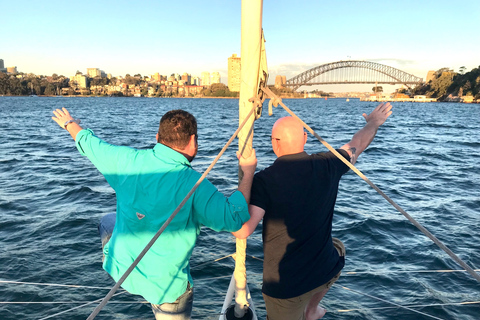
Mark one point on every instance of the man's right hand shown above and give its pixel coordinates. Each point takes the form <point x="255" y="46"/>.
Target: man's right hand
<point x="378" y="116"/>
<point x="249" y="164"/>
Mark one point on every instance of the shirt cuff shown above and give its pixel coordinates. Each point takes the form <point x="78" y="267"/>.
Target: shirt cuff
<point x="80" y="138"/>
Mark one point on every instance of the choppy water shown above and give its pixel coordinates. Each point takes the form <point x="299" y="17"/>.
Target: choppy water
<point x="426" y="158"/>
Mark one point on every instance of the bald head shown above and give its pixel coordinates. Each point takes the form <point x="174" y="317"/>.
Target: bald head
<point x="288" y="136"/>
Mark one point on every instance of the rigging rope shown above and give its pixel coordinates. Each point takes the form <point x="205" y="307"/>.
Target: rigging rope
<point x="349" y="273"/>
<point x="78" y="307"/>
<point x="389" y="302"/>
<point x="361" y="175"/>
<point x="414" y="306"/>
<point x="167" y="222"/>
<point x="55" y="285"/>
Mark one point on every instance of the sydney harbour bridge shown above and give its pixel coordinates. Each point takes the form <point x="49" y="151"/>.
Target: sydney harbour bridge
<point x="353" y="72"/>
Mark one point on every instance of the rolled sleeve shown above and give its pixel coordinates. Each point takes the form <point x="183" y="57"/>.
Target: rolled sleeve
<point x="81" y="141"/>
<point x="237" y="200"/>
<point x="218" y="212"/>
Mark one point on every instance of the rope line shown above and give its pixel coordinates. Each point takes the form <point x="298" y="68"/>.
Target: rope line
<point x="389" y="302"/>
<point x="55" y="285"/>
<point x="212" y="261"/>
<point x="414" y="306"/>
<point x="361" y="175"/>
<point x="167" y="222"/>
<point x="78" y="307"/>
<point x="70" y="302"/>
<point x="351" y="273"/>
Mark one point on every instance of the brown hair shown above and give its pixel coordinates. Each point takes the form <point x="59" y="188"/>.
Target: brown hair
<point x="176" y="127"/>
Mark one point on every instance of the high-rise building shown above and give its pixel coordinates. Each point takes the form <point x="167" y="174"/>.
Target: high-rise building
<point x="2" y="66"/>
<point x="205" y="78"/>
<point x="79" y="81"/>
<point x="196" y="81"/>
<point x="94" y="72"/>
<point x="234" y="69"/>
<point x="156" y="77"/>
<point x="215" y="77"/>
<point x="186" y="78"/>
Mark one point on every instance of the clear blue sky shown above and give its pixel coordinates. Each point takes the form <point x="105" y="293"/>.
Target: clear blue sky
<point x="120" y="37"/>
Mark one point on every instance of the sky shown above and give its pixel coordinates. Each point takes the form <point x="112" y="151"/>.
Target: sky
<point x="144" y="37"/>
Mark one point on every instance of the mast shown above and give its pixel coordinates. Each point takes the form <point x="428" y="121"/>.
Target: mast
<point x="251" y="50"/>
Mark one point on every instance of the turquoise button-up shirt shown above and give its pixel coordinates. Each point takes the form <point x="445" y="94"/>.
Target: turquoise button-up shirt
<point x="149" y="185"/>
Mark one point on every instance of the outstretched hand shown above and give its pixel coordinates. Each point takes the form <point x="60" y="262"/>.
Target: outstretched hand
<point x="65" y="121"/>
<point x="379" y="115"/>
<point x="61" y="116"/>
<point x="248" y="164"/>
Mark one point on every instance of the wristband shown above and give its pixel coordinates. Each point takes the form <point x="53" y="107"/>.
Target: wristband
<point x="77" y="121"/>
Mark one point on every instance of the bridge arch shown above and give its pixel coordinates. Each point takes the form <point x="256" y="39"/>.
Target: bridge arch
<point x="393" y="75"/>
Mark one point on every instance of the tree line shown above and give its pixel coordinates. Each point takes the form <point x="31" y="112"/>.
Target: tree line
<point x="30" y="84"/>
<point x="447" y="83"/>
<point x="27" y="85"/>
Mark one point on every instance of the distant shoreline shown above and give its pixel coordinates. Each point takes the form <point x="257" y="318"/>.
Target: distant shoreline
<point x="320" y="98"/>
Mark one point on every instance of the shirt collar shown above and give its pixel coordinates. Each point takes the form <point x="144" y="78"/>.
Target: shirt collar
<point x="292" y="157"/>
<point x="161" y="150"/>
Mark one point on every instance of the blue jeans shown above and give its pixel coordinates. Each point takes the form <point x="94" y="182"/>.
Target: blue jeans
<point x="181" y="309"/>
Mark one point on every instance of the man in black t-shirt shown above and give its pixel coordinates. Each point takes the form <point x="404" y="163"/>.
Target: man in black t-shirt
<point x="295" y="197"/>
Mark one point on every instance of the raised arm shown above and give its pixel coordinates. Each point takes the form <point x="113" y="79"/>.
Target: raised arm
<point x="65" y="120"/>
<point x="362" y="139"/>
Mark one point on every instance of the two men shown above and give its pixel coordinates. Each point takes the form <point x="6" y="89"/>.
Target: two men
<point x="295" y="197"/>
<point x="149" y="185"/>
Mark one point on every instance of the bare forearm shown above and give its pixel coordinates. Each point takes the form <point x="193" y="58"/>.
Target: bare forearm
<point x="245" y="185"/>
<point x="362" y="139"/>
<point x="74" y="129"/>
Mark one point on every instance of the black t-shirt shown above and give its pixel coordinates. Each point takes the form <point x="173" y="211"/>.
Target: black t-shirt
<point x="298" y="193"/>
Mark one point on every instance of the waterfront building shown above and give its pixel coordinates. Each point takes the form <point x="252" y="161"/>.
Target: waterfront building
<point x="215" y="78"/>
<point x="79" y="81"/>
<point x="156" y="77"/>
<point x="93" y="72"/>
<point x="205" y="78"/>
<point x="2" y="66"/>
<point x="234" y="69"/>
<point x="186" y="78"/>
<point x="196" y="81"/>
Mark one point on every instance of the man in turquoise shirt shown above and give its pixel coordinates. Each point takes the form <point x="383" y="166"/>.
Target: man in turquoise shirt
<point x="149" y="185"/>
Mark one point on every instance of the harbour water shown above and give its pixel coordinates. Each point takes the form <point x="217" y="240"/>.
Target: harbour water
<point x="426" y="158"/>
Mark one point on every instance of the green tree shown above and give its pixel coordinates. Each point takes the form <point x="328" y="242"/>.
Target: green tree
<point x="50" y="90"/>
<point x="377" y="89"/>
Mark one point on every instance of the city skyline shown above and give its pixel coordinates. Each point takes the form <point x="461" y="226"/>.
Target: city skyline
<point x="166" y="37"/>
